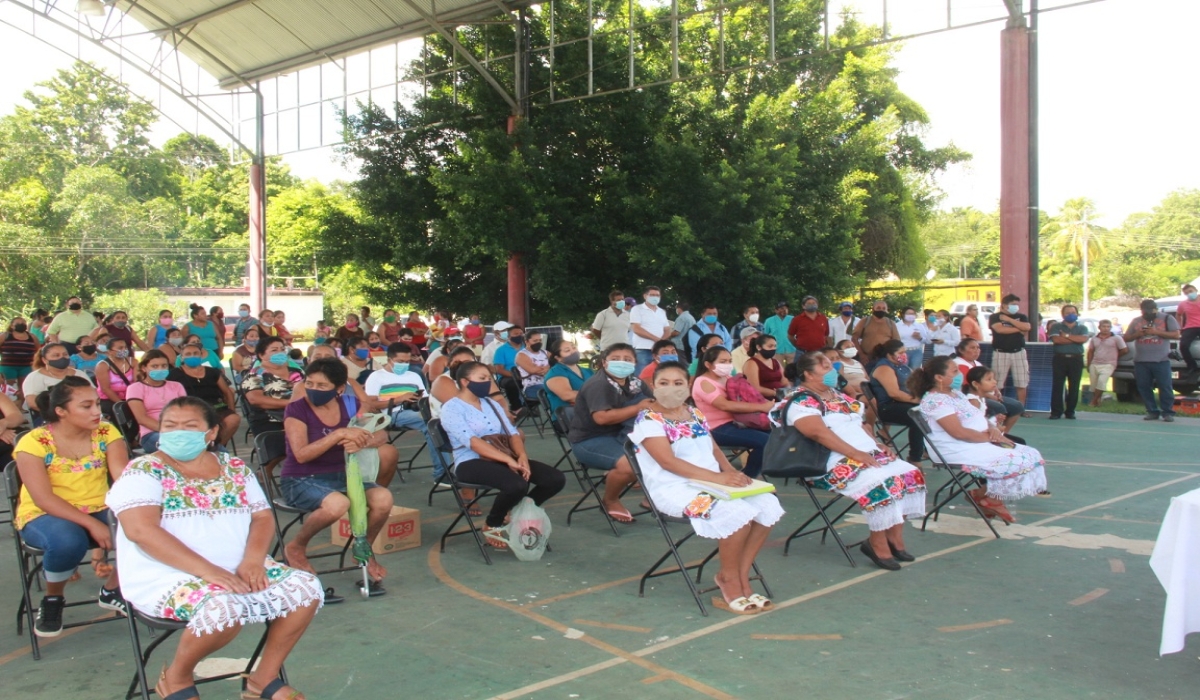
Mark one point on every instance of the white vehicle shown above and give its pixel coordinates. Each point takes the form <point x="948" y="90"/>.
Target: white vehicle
<point x="986" y="308"/>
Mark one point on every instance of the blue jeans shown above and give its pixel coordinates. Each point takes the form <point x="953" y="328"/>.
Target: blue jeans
<point x="644" y="358"/>
<point x="64" y="543"/>
<point x="601" y="452"/>
<point x="149" y="442"/>
<point x="1149" y="374"/>
<point x="411" y="419"/>
<point x="915" y="358"/>
<point x="730" y="435"/>
<point x="532" y="393"/>
<point x="307" y="492"/>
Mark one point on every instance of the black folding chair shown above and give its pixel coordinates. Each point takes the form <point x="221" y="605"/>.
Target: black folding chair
<point x="560" y="429"/>
<point x="673" y="545"/>
<point x="531" y="412"/>
<point x="396" y="433"/>
<point x="882" y="430"/>
<point x="29" y="564"/>
<point x="823" y="512"/>
<point x="594" y="482"/>
<point x="960" y="482"/>
<point x="128" y="425"/>
<point x="442" y="443"/>
<point x="270" y="448"/>
<point x="141" y="681"/>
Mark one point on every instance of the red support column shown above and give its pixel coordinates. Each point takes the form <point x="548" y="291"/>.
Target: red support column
<point x="517" y="313"/>
<point x="256" y="269"/>
<point x="1015" y="273"/>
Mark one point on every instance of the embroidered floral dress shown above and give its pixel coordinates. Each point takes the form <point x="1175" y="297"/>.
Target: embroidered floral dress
<point x="690" y="441"/>
<point x="887" y="494"/>
<point x="1011" y="473"/>
<point x="212" y="518"/>
<point x="81" y="482"/>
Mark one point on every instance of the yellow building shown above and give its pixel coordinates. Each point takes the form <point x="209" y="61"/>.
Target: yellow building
<point x="937" y="294"/>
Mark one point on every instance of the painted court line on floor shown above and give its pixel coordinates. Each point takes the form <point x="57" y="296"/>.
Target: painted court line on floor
<point x="717" y="627"/>
<point x="1116" y="566"/>
<point x="975" y="626"/>
<point x="798" y="637"/>
<point x="613" y="626"/>
<point x="1089" y="597"/>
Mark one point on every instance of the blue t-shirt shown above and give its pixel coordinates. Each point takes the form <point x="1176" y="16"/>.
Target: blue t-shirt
<point x="462" y="421"/>
<point x="506" y="356"/>
<point x="561" y="370"/>
<point x="85" y="365"/>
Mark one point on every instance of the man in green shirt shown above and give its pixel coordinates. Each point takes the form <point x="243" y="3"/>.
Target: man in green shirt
<point x="777" y="326"/>
<point x="71" y="325"/>
<point x="1068" y="337"/>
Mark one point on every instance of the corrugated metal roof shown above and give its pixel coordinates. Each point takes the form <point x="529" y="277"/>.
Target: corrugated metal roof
<point x="240" y="41"/>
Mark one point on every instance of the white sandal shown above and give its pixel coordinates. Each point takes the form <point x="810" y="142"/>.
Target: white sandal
<point x="738" y="606"/>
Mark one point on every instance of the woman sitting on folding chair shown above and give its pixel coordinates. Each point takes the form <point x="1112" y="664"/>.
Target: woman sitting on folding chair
<point x="194" y="536"/>
<point x="565" y="377"/>
<point x="887" y="489"/>
<point x="488" y="449"/>
<point x="962" y="434"/>
<point x="65" y="467"/>
<point x="675" y="445"/>
<point x="889" y="381"/>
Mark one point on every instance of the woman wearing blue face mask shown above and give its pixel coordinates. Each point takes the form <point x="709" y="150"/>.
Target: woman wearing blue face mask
<point x="268" y="386"/>
<point x="859" y="468"/>
<point x="357" y="358"/>
<point x="148" y="397"/>
<point x="963" y="435"/>
<point x="605" y="407"/>
<point x="208" y="358"/>
<point x="194" y="537"/>
<point x="208" y="384"/>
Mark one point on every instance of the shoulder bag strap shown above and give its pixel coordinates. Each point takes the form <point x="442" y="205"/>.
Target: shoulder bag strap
<point x="503" y="425"/>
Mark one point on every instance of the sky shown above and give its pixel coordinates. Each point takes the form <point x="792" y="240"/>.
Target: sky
<point x="1116" y="112"/>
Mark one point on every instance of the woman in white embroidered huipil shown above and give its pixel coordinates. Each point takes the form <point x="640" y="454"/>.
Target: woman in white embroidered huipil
<point x="195" y="531"/>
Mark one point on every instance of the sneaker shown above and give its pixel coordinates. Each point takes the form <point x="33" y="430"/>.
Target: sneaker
<point x="1168" y="419"/>
<point x="1150" y="416"/>
<point x="112" y="600"/>
<point x="49" y="618"/>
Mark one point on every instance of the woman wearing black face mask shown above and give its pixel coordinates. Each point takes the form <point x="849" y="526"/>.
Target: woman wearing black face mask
<point x="489" y="450"/>
<point x="532" y="366"/>
<point x="18" y="347"/>
<point x="51" y="366"/>
<point x="313" y="477"/>
<point x="566" y="377"/>
<point x="762" y="370"/>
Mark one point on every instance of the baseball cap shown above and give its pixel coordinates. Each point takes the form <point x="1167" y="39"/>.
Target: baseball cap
<point x="807" y="298"/>
<point x="781" y="305"/>
<point x="845" y="304"/>
<point x="747" y="332"/>
<point x="501" y="326"/>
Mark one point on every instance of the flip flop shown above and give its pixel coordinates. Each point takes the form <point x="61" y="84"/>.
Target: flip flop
<point x="268" y="692"/>
<point x="621" y="515"/>
<point x="182" y="694"/>
<point x="738" y="606"/>
<point x="377" y="588"/>
<point x="332" y="598"/>
<point x="491" y="539"/>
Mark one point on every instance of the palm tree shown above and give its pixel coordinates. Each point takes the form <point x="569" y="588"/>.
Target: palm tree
<point x="1074" y="233"/>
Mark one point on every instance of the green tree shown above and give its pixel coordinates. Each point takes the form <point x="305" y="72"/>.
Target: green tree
<point x="963" y="242"/>
<point x="739" y="188"/>
<point x="1074" y="236"/>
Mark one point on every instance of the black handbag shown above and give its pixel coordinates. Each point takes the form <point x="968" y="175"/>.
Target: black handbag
<point x="790" y="454"/>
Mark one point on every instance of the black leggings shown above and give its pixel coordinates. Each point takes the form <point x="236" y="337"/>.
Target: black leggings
<point x="1186" y="338"/>
<point x="546" y="481"/>
<point x="896" y="412"/>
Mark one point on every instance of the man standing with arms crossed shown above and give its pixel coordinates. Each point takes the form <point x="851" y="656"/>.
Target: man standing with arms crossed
<point x="1068" y="337"/>
<point x="1009" y="327"/>
<point x="809" y="331"/>
<point x="1151" y="334"/>
<point x="649" y="324"/>
<point x="873" y="330"/>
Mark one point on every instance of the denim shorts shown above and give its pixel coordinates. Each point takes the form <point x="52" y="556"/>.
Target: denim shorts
<point x="599" y="452"/>
<point x="307" y="492"/>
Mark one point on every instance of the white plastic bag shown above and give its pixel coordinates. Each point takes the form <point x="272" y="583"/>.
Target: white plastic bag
<point x="368" y="457"/>
<point x="527" y="532"/>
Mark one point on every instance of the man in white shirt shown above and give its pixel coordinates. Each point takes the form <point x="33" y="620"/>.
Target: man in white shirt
<point x="914" y="335"/>
<point x="944" y="335"/>
<point x="648" y="323"/>
<point x="397" y="388"/>
<point x="499" y="337"/>
<point x="842" y="325"/>
<point x="612" y="324"/>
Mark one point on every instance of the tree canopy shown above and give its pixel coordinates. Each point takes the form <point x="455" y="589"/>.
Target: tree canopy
<point x="808" y="177"/>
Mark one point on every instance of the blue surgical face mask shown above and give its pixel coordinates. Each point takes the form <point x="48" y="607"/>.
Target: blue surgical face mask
<point x="399" y="367"/>
<point x="653" y="301"/>
<point x="279" y="358"/>
<point x="620" y="305"/>
<point x="320" y="341"/>
<point x="619" y="368"/>
<point x="830" y="379"/>
<point x="243" y="313"/>
<point x="193" y="362"/>
<point x="183" y="445"/>
<point x="710" y="319"/>
<point x="956" y="383"/>
<point x="158" y="375"/>
<point x="1071" y="318"/>
<point x="668" y="358"/>
<point x="1192" y="296"/>
<point x="102" y="348"/>
<point x="362" y="353"/>
<point x="837" y="366"/>
<point x="1013" y="308"/>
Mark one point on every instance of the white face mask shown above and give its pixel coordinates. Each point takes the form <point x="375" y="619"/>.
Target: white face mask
<point x="849" y="352"/>
<point x="753" y="318"/>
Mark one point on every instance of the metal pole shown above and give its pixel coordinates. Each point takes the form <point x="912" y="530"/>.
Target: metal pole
<point x="675" y="39"/>
<point x="1034" y="220"/>
<point x="771" y="29"/>
<point x="256" y="269"/>
<point x="591" y="33"/>
<point x="631" y="67"/>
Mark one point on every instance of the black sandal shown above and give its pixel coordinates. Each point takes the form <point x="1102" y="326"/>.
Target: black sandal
<point x="332" y="598"/>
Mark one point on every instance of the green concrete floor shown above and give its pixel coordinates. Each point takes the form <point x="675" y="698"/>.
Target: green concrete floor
<point x="1065" y="605"/>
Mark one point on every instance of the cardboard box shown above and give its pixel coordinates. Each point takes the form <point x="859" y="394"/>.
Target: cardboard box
<point x="402" y="531"/>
